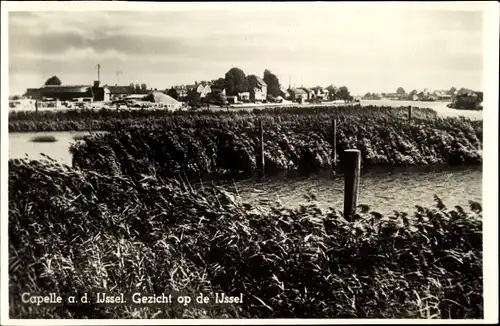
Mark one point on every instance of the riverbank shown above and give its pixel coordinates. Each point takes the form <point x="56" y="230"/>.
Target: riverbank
<point x="89" y="231"/>
<point x="220" y="143"/>
<point x="107" y="120"/>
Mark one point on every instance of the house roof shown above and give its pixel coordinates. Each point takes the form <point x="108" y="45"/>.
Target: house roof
<point x="120" y="90"/>
<point x="65" y="89"/>
<point x="159" y="97"/>
<point x="260" y="81"/>
<point x="298" y="91"/>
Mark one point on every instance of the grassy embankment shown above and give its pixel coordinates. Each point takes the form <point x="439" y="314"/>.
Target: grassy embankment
<point x="73" y="231"/>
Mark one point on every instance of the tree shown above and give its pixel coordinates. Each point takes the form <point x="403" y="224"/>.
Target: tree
<point x="273" y="83"/>
<point x="220" y="98"/>
<point x="53" y="81"/>
<point x="144" y="86"/>
<point x="332" y="92"/>
<point x="367" y="95"/>
<point x="400" y="91"/>
<point x="218" y="83"/>
<point x="172" y="92"/>
<point x="344" y="93"/>
<point x="235" y="82"/>
<point x="193" y="97"/>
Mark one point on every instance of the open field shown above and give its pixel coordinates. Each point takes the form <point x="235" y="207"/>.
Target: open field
<point x="76" y="231"/>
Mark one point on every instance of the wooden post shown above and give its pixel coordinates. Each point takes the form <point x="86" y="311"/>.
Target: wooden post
<point x="352" y="170"/>
<point x="334" y="143"/>
<point x="409" y="112"/>
<point x="260" y="159"/>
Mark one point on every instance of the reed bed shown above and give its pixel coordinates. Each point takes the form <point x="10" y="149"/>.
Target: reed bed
<point x="219" y="143"/>
<point x="75" y="231"/>
<point x="111" y="119"/>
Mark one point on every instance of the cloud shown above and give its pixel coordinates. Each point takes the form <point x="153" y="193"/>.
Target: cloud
<point x="73" y="54"/>
<point x="344" y="46"/>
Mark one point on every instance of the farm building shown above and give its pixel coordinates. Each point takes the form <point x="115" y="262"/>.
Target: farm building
<point x="123" y="91"/>
<point x="163" y="100"/>
<point x="69" y="93"/>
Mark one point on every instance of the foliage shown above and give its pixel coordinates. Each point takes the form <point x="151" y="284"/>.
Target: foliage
<point x="193" y="97"/>
<point x="400" y="91"/>
<point x="218" y="83"/>
<point x="344" y="94"/>
<point x="273" y="83"/>
<point x="172" y="92"/>
<point x="221" y="143"/>
<point x="53" y="81"/>
<point x="43" y="139"/>
<point x="236" y="82"/>
<point x="73" y="231"/>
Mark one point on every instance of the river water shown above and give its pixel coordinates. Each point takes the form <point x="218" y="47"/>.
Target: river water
<point x="384" y="190"/>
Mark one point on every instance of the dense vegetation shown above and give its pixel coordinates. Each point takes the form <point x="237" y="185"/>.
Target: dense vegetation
<point x="112" y="119"/>
<point x="295" y="139"/>
<point x="75" y="231"/>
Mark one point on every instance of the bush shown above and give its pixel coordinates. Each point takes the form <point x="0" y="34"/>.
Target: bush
<point x="43" y="139"/>
<point x="76" y="231"/>
<point x="219" y="143"/>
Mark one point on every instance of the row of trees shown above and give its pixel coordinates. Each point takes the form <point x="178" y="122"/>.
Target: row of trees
<point x="236" y="81"/>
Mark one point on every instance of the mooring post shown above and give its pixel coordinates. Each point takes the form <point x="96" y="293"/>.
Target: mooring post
<point x="409" y="112"/>
<point x="352" y="171"/>
<point x="260" y="162"/>
<point x="334" y="143"/>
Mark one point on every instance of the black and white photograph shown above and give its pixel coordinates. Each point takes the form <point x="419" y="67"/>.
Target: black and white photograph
<point x="253" y="161"/>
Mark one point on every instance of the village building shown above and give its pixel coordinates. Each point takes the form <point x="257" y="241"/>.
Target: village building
<point x="244" y="96"/>
<point x="203" y="89"/>
<point x="258" y="89"/>
<point x="318" y="93"/>
<point x="284" y="93"/>
<point x="117" y="91"/>
<point x="182" y="92"/>
<point x="85" y="93"/>
<point x="298" y="94"/>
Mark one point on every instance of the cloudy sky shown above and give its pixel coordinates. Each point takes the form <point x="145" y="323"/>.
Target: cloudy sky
<point x="373" y="50"/>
